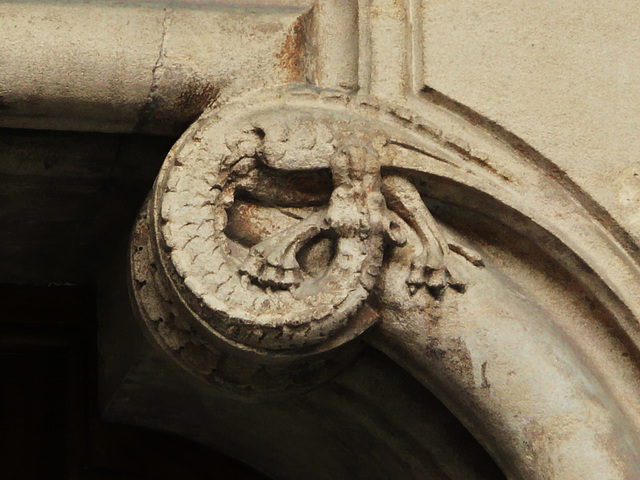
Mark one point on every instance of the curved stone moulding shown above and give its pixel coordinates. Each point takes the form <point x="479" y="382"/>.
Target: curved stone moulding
<point x="487" y="360"/>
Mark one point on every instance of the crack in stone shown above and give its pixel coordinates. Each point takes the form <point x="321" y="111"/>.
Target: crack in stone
<point x="147" y="109"/>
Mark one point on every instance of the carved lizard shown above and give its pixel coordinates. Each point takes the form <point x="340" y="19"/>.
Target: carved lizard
<point x="363" y="202"/>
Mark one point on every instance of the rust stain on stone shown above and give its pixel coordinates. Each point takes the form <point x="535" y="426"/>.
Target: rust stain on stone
<point x="291" y="54"/>
<point x="453" y="355"/>
<point x="195" y="98"/>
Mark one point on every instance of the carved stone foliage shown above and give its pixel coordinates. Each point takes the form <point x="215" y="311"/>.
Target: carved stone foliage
<point x="265" y="233"/>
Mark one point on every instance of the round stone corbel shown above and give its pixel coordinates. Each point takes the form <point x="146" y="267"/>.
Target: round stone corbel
<point x="262" y="240"/>
<point x="242" y="312"/>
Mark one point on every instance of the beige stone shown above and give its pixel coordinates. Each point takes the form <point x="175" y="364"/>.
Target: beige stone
<point x="374" y="200"/>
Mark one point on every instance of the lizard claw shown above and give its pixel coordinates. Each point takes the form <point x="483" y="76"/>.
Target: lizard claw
<point x="393" y="231"/>
<point x="271" y="268"/>
<point x="436" y="280"/>
<point x="438" y="277"/>
<point x="273" y="262"/>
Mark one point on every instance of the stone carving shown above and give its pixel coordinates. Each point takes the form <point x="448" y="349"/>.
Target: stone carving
<point x="255" y="262"/>
<point x="255" y="266"/>
<point x="269" y="220"/>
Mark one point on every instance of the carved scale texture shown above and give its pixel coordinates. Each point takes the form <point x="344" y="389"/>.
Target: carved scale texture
<point x="196" y="188"/>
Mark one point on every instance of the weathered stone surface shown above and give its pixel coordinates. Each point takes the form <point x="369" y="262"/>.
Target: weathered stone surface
<point x="147" y="67"/>
<point x="291" y="226"/>
<point x="560" y="76"/>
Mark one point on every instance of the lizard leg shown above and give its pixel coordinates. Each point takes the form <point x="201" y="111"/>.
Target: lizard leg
<point x="273" y="262"/>
<point x="430" y="265"/>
